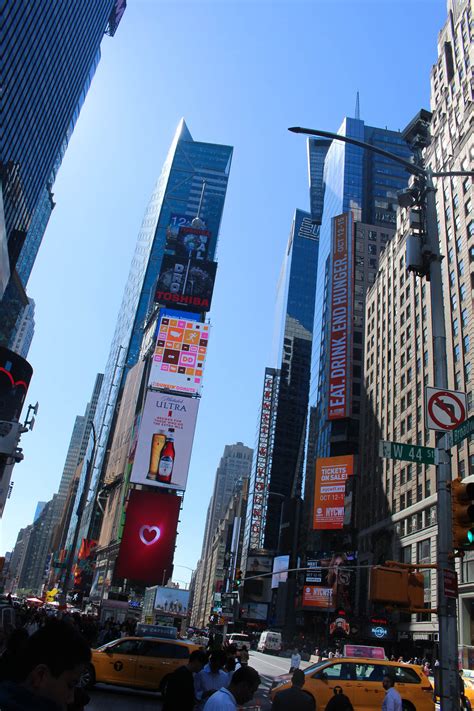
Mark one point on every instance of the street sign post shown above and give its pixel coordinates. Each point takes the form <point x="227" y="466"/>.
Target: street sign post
<point x="408" y="452"/>
<point x="456" y="436"/>
<point x="445" y="409"/>
<point x="450" y="582"/>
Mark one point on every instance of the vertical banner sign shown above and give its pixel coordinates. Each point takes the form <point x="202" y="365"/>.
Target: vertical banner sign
<point x="329" y="491"/>
<point x="339" y="400"/>
<point x="263" y="458"/>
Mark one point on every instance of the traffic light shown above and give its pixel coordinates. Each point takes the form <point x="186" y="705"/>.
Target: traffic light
<point x="400" y="587"/>
<point x="238" y="578"/>
<point x="462" y="510"/>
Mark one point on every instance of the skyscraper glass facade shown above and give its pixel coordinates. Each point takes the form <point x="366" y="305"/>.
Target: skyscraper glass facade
<point x="194" y="179"/>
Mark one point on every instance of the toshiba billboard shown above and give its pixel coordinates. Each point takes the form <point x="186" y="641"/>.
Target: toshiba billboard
<point x="329" y="491"/>
<point x="339" y="399"/>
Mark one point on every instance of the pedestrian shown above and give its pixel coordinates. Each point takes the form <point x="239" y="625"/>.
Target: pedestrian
<point x="295" y="660"/>
<point x="392" y="700"/>
<point x="210" y="679"/>
<point x="244" y="655"/>
<point x="339" y="702"/>
<point x="49" y="668"/>
<point x="295" y="698"/>
<point x="242" y="688"/>
<point x="426" y="669"/>
<point x="179" y="691"/>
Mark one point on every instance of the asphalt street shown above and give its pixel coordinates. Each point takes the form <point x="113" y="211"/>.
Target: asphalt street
<point x="113" y="698"/>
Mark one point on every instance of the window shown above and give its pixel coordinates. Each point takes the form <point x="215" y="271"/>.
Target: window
<point x="164" y="650"/>
<point x="423" y="551"/>
<point x="339" y="671"/>
<point x="466" y="343"/>
<point x="128" y="646"/>
<point x="457" y="352"/>
<point x="406" y="554"/>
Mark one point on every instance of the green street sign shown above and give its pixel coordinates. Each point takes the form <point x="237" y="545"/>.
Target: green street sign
<point x="465" y="429"/>
<point x="408" y="452"/>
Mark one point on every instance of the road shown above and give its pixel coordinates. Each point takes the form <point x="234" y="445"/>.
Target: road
<point x="103" y="697"/>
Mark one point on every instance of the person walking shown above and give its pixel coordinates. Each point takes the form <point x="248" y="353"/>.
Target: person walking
<point x="179" y="691"/>
<point x="392" y="700"/>
<point x="244" y="655"/>
<point x="339" y="702"/>
<point x="295" y="698"/>
<point x="210" y="679"/>
<point x="244" y="683"/>
<point x="295" y="660"/>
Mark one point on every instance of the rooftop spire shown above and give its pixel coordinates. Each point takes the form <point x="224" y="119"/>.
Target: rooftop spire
<point x="357" y="108"/>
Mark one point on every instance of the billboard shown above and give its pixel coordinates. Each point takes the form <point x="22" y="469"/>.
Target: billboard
<point x="317" y="596"/>
<point x="192" y="243"/>
<point x="172" y="600"/>
<point x="263" y="457"/>
<point x="340" y="335"/>
<point x="165" y="441"/>
<point x="329" y="491"/>
<point x="186" y="283"/>
<point x="281" y="562"/>
<point x="147" y="546"/>
<point x="180" y="352"/>
<point x="332" y="570"/>
<point x="254" y="611"/>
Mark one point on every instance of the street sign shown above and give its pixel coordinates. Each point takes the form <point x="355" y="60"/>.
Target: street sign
<point x="450" y="583"/>
<point x="460" y="433"/>
<point x="445" y="409"/>
<point x="408" y="452"/>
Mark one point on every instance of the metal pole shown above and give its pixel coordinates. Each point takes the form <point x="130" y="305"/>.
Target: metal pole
<point x="447" y="618"/>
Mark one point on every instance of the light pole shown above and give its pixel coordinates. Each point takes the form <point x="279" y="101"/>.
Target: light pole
<point x="427" y="262"/>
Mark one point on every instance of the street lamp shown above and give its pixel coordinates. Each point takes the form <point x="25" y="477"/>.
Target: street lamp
<point x="426" y="261"/>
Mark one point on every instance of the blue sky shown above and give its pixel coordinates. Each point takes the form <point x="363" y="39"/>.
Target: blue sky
<point x="240" y="74"/>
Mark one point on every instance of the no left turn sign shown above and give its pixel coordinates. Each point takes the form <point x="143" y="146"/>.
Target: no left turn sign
<point x="445" y="409"/>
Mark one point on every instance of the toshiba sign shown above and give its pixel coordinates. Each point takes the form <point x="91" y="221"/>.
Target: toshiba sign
<point x="341" y="318"/>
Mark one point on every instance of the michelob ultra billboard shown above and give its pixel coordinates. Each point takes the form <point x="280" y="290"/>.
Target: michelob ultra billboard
<point x="165" y="441"/>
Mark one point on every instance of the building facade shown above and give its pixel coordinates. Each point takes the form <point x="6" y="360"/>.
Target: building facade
<point x="398" y="518"/>
<point x="24" y="330"/>
<point x="50" y="53"/>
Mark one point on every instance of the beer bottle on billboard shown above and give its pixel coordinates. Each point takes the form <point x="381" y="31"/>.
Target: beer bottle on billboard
<point x="158" y="442"/>
<point x="165" y="469"/>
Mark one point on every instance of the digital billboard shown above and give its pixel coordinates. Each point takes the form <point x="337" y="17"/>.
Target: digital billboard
<point x="165" y="441"/>
<point x="329" y="491"/>
<point x="339" y="396"/>
<point x="254" y="611"/>
<point x="192" y="243"/>
<point x="147" y="546"/>
<point x="180" y="353"/>
<point x="336" y="571"/>
<point x="172" y="600"/>
<point x="280" y="563"/>
<point x="186" y="283"/>
<point x="317" y="596"/>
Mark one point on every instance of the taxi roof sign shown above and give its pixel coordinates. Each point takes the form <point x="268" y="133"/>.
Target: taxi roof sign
<point x="168" y="632"/>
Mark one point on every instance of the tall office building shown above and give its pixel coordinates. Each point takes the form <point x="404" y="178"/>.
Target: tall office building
<point x="234" y="466"/>
<point x="17" y="558"/>
<point x="398" y="517"/>
<point x="193" y="183"/>
<point x="277" y="470"/>
<point x="50" y="53"/>
<point x="24" y="330"/>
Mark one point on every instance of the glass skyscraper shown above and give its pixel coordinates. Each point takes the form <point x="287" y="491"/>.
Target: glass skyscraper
<point x="193" y="182"/>
<point x="50" y="51"/>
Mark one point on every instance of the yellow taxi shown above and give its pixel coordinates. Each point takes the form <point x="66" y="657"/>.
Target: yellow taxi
<point x="361" y="680"/>
<point x="139" y="662"/>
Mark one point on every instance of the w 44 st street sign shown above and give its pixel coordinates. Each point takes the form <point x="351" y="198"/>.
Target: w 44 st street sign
<point x="408" y="452"/>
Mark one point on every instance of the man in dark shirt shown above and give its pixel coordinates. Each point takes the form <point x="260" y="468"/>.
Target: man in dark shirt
<point x="179" y="688"/>
<point x="295" y="698"/>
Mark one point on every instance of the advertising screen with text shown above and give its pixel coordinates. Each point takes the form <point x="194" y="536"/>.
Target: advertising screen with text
<point x="316" y="596"/>
<point x="329" y="491"/>
<point x="147" y="547"/>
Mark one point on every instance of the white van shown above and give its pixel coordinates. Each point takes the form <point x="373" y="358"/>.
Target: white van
<point x="269" y="642"/>
<point x="239" y="640"/>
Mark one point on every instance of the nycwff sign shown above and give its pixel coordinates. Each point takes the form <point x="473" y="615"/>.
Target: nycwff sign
<point x="341" y="314"/>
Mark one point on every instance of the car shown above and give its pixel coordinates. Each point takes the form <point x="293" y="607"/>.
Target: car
<point x="238" y="640"/>
<point x="361" y="680"/>
<point x="138" y="662"/>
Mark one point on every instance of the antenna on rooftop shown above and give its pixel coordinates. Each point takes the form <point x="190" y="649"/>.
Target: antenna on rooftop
<point x="197" y="222"/>
<point x="357" y="108"/>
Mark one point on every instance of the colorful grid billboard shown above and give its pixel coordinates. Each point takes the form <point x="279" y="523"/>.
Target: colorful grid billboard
<point x="339" y="397"/>
<point x="329" y="491"/>
<point x="165" y="441"/>
<point x="147" y="547"/>
<point x="186" y="283"/>
<point x="179" y="356"/>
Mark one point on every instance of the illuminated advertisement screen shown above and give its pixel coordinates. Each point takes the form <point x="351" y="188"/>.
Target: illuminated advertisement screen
<point x="336" y="571"/>
<point x="317" y="596"/>
<point x="147" y="546"/>
<point x="165" y="441"/>
<point x="254" y="611"/>
<point x="192" y="243"/>
<point x="172" y="600"/>
<point x="329" y="491"/>
<point x="186" y="283"/>
<point x="280" y="563"/>
<point x="180" y="353"/>
<point x="339" y="396"/>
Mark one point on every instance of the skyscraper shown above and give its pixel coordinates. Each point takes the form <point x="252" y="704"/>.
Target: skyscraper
<point x="24" y="330"/>
<point x="50" y="53"/>
<point x="193" y="183"/>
